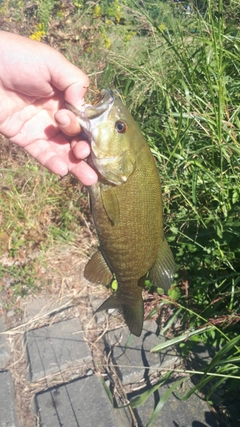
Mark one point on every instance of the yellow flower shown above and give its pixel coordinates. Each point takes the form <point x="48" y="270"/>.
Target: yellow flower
<point x="129" y="35"/>
<point x="108" y="21"/>
<point x="107" y="42"/>
<point x="118" y="11"/>
<point x="78" y="4"/>
<point x="39" y="33"/>
<point x="97" y="11"/>
<point x="162" y="27"/>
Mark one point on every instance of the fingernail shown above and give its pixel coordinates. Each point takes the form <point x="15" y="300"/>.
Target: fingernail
<point x="74" y="95"/>
<point x="63" y="121"/>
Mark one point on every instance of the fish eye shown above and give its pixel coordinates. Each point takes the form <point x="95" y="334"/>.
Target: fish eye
<point x="120" y="126"/>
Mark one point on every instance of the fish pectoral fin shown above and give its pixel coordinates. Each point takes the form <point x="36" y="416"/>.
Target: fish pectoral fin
<point x="132" y="313"/>
<point x="97" y="270"/>
<point x="162" y="272"/>
<point x="111" y="204"/>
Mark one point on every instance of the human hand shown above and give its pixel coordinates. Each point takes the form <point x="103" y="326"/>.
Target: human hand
<point x="35" y="81"/>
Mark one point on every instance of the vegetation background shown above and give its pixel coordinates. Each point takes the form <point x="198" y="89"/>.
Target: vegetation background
<point x="177" y="64"/>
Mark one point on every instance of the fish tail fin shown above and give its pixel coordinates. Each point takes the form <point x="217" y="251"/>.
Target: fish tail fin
<point x="132" y="310"/>
<point x="133" y="316"/>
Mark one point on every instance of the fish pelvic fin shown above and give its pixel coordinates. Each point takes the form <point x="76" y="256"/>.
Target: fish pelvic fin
<point x="162" y="272"/>
<point x="97" y="270"/>
<point x="132" y="310"/>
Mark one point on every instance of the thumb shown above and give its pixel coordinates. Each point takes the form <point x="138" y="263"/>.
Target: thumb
<point x="68" y="78"/>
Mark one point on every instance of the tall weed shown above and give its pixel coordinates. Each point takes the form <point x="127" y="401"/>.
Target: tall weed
<point x="182" y="85"/>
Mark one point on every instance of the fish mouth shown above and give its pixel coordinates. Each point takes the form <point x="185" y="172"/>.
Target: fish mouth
<point x="89" y="119"/>
<point x="90" y="115"/>
<point x="92" y="112"/>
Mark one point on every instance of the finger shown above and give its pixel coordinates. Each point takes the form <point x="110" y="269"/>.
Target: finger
<point x="81" y="149"/>
<point x="52" y="156"/>
<point x="38" y="128"/>
<point x="75" y="93"/>
<point x="67" y="122"/>
<point x="68" y="78"/>
<point x="62" y="163"/>
<point x="54" y="163"/>
<point x="51" y="67"/>
<point x="84" y="173"/>
<point x="80" y="169"/>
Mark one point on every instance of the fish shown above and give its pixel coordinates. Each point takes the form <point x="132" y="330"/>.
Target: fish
<point x="127" y="210"/>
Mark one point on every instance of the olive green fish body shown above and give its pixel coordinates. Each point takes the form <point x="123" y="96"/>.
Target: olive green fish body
<point x="131" y="241"/>
<point x="130" y="245"/>
<point x="126" y="205"/>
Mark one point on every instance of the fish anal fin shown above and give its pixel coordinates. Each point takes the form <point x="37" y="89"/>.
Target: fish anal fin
<point x="162" y="272"/>
<point x="133" y="312"/>
<point x="97" y="270"/>
<point x="111" y="204"/>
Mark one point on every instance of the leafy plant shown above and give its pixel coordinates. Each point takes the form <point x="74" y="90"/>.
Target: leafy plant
<point x="44" y="13"/>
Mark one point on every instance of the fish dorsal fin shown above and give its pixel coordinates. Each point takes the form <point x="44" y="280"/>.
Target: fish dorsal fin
<point x="132" y="313"/>
<point x="111" y="204"/>
<point x="97" y="270"/>
<point x="162" y="272"/>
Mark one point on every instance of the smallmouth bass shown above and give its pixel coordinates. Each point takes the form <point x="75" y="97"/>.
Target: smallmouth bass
<point x="126" y="205"/>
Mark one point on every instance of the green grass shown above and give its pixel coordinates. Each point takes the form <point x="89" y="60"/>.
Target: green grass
<point x="180" y="76"/>
<point x="181" y="82"/>
<point x="37" y="214"/>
